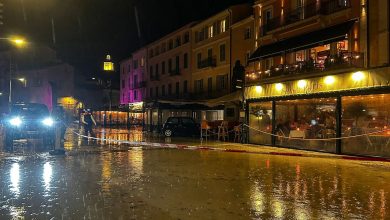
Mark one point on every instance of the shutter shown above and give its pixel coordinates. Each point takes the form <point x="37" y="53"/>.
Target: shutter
<point x="227" y="23"/>
<point x="215" y="28"/>
<point x="218" y="27"/>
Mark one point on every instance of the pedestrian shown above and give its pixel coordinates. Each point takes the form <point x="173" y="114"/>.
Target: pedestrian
<point x="88" y="122"/>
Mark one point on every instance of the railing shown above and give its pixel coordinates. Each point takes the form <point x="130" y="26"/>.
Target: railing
<point x="154" y="77"/>
<point x="304" y="12"/>
<point x="174" y="72"/>
<point x="138" y="85"/>
<point x="209" y="62"/>
<point x="334" y="62"/>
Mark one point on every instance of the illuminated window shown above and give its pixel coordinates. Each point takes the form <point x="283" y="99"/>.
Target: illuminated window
<point x="223" y="26"/>
<point x="210" y="31"/>
<point x="300" y="56"/>
<point x="142" y="62"/>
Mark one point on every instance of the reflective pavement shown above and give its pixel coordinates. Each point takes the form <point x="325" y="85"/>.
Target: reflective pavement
<point x="98" y="183"/>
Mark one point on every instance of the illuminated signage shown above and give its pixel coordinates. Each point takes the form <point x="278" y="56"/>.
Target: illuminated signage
<point x="356" y="80"/>
<point x="108" y="66"/>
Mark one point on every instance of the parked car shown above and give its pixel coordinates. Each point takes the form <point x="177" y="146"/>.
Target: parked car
<point x="180" y="126"/>
<point x="29" y="120"/>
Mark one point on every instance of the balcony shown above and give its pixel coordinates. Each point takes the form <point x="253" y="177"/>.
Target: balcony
<point x="138" y="85"/>
<point x="174" y="72"/>
<point x="304" y="12"/>
<point x="155" y="77"/>
<point x="333" y="63"/>
<point x="209" y="62"/>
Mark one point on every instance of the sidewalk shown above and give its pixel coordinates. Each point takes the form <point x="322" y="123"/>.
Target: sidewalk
<point x="259" y="149"/>
<point x="151" y="140"/>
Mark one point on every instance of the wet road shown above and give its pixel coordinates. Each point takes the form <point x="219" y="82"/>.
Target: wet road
<point x="180" y="184"/>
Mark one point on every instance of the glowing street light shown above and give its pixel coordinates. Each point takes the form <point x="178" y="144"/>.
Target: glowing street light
<point x="279" y="86"/>
<point x="329" y="80"/>
<point x="302" y="84"/>
<point x="358" y="76"/>
<point x="19" y="42"/>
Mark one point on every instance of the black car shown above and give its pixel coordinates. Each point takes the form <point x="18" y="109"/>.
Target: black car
<point x="29" y="120"/>
<point x="180" y="126"/>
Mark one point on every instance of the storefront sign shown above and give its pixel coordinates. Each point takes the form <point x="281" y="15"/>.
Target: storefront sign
<point x="332" y="83"/>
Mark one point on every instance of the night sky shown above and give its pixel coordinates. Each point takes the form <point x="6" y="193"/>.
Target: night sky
<point x="86" y="30"/>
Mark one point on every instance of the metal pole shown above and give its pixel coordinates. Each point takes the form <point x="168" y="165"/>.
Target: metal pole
<point x="243" y="108"/>
<point x="10" y="80"/>
<point x="338" y="124"/>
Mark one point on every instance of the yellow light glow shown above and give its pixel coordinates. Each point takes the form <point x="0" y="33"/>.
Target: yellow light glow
<point x="279" y="86"/>
<point x="108" y="66"/>
<point x="302" y="84"/>
<point x="329" y="80"/>
<point x="18" y="41"/>
<point x="258" y="89"/>
<point x="358" y="76"/>
<point x="21" y="79"/>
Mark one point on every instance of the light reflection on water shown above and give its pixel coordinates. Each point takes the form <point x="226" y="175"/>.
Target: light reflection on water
<point x="15" y="178"/>
<point x="47" y="174"/>
<point x="107" y="136"/>
<point x="136" y="162"/>
<point x="159" y="184"/>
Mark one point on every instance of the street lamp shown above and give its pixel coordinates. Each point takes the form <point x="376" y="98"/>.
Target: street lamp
<point x="23" y="80"/>
<point x="17" y="42"/>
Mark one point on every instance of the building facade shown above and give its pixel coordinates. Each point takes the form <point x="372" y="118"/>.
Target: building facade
<point x="133" y="85"/>
<point x="211" y="53"/>
<point x="169" y="76"/>
<point x="319" y="78"/>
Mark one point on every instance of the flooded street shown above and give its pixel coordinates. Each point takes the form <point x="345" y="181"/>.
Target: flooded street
<point x="181" y="184"/>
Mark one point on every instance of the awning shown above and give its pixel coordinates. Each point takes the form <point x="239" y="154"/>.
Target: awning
<point x="304" y="41"/>
<point x="229" y="98"/>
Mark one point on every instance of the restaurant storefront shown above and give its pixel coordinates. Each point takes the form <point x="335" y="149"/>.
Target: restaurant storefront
<point x="346" y="113"/>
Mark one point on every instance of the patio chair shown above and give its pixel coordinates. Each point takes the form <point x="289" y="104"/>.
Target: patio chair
<point x="237" y="133"/>
<point x="205" y="129"/>
<point x="223" y="131"/>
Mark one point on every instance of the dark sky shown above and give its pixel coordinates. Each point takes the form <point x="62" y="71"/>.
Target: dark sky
<point x="88" y="29"/>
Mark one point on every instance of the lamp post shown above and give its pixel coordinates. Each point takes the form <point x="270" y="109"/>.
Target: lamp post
<point x="239" y="83"/>
<point x="17" y="42"/>
<point x="23" y="80"/>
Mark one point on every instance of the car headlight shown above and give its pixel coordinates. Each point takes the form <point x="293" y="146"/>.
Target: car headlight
<point x="17" y="121"/>
<point x="48" y="121"/>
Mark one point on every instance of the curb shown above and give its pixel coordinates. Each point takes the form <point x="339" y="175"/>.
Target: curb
<point x="291" y="154"/>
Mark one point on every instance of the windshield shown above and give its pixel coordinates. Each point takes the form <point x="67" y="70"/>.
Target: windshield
<point x="30" y="110"/>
